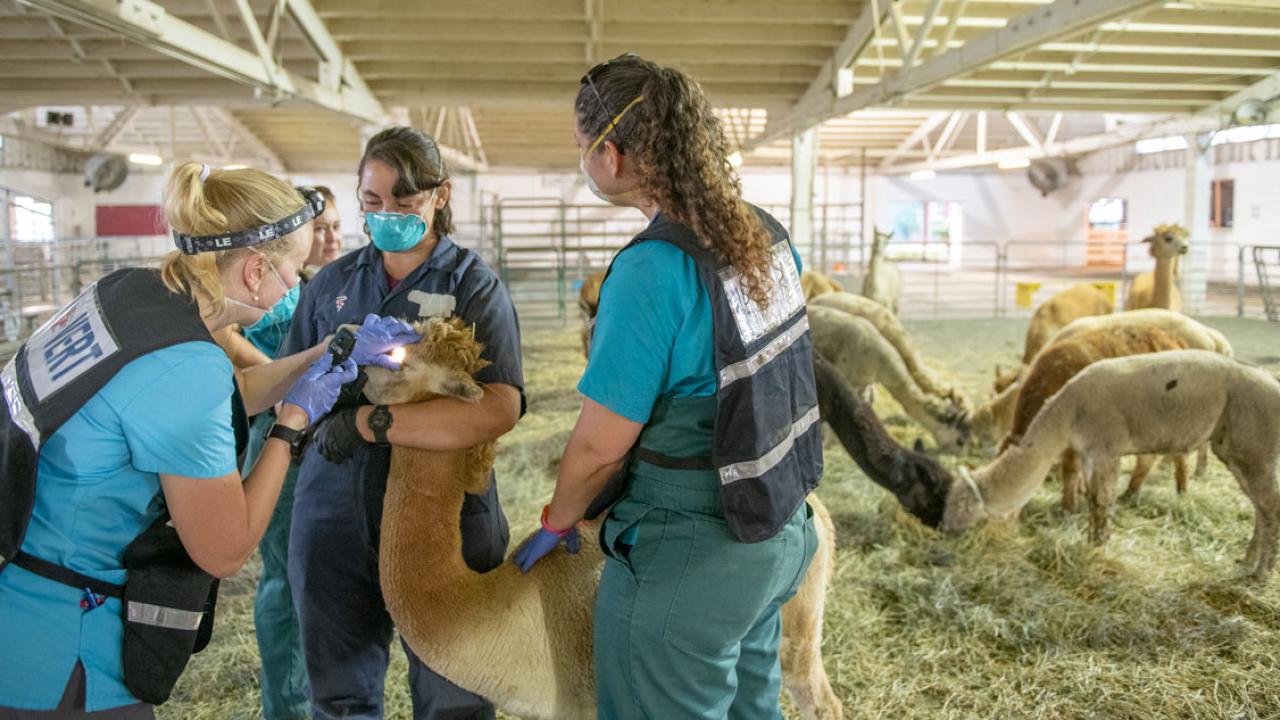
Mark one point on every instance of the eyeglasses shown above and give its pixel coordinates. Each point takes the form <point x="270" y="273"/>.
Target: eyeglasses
<point x="589" y="80"/>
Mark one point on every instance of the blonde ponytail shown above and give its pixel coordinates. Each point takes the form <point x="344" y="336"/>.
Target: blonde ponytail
<point x="226" y="201"/>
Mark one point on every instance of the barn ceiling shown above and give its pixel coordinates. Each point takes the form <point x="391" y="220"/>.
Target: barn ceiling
<point x="295" y="84"/>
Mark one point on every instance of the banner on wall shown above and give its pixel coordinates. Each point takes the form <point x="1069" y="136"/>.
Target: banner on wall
<point x="129" y="220"/>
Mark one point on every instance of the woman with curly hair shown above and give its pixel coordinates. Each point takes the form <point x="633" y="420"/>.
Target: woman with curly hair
<point x="700" y="417"/>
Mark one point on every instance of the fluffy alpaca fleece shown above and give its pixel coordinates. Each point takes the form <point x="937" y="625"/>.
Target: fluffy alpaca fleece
<point x="522" y="641"/>
<point x="1157" y="289"/>
<point x="918" y="481"/>
<point x="883" y="281"/>
<point x="864" y="357"/>
<point x="1058" y="363"/>
<point x="815" y="284"/>
<point x="1077" y="301"/>
<point x="884" y="320"/>
<point x="1166" y="402"/>
<point x="588" y="305"/>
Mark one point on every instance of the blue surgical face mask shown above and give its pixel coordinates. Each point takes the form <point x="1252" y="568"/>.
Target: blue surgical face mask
<point x="398" y="232"/>
<point x="268" y="333"/>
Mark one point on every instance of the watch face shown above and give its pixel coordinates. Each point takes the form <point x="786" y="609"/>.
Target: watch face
<point x="380" y="418"/>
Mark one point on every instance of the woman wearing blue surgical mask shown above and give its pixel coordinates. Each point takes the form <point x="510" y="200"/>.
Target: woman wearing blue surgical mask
<point x="412" y="269"/>
<point x="700" y="414"/>
<point x="122" y="422"/>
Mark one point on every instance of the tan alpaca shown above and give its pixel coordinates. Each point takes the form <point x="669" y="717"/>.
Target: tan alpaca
<point x="815" y="284"/>
<point x="883" y="281"/>
<point x="1158" y="289"/>
<point x="885" y="321"/>
<point x="523" y="641"/>
<point x="992" y="420"/>
<point x="864" y="357"/>
<point x="588" y="304"/>
<point x="1166" y="402"/>
<point x="1055" y="365"/>
<point x="1077" y="301"/>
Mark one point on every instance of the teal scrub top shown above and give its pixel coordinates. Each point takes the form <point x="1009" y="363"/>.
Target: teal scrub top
<point x="653" y="337"/>
<point x="97" y="488"/>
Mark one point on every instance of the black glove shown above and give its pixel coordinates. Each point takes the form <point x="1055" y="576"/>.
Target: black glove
<point x="336" y="437"/>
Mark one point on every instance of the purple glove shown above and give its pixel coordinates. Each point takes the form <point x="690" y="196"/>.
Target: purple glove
<point x="378" y="336"/>
<point x="317" y="390"/>
<point x="544" y="542"/>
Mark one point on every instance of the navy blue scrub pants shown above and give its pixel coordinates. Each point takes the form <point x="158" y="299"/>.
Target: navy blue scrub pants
<point x="333" y="568"/>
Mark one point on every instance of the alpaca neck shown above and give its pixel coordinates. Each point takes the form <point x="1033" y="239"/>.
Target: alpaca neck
<point x="1162" y="283"/>
<point x="877" y="250"/>
<point x="1008" y="482"/>
<point x="857" y="428"/>
<point x="420" y="518"/>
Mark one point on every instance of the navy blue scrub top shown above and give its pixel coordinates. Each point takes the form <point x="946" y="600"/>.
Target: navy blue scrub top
<point x="452" y="281"/>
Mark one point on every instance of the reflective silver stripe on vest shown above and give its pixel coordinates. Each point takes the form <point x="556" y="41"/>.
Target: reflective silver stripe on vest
<point x="13" y="398"/>
<point x="761" y="465"/>
<point x="159" y="616"/>
<point x="749" y="367"/>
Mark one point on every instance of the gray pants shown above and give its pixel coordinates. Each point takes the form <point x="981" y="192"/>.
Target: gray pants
<point x="71" y="706"/>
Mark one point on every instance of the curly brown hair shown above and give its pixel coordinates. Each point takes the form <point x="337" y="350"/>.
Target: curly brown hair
<point x="681" y="158"/>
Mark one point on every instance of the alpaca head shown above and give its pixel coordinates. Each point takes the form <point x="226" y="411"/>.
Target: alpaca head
<point x="1005" y="378"/>
<point x="954" y="425"/>
<point x="964" y="503"/>
<point x="1168" y="241"/>
<point x="440" y="365"/>
<point x="925" y="482"/>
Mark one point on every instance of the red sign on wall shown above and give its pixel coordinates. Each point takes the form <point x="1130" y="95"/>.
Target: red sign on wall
<point x="130" y="220"/>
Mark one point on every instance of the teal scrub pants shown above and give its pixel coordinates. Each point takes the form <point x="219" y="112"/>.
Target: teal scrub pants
<point x="688" y="620"/>
<point x="284" y="672"/>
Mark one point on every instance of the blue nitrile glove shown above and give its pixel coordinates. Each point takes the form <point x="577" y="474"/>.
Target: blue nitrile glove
<point x="317" y="390"/>
<point x="544" y="542"/>
<point x="378" y="336"/>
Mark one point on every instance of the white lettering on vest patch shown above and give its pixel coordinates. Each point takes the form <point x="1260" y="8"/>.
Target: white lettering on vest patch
<point x="433" y="304"/>
<point x="69" y="345"/>
<point x="754" y="323"/>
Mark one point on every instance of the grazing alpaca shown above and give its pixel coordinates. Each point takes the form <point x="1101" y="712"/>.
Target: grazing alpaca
<point x="883" y="281"/>
<point x="918" y="482"/>
<point x="864" y="357"/>
<point x="1061" y="361"/>
<point x="1197" y="337"/>
<point x="815" y="284"/>
<point x="992" y="420"/>
<point x="522" y="641"/>
<point x="885" y="321"/>
<point x="1167" y="402"/>
<point x="1157" y="289"/>
<point x="588" y="303"/>
<point x="1077" y="301"/>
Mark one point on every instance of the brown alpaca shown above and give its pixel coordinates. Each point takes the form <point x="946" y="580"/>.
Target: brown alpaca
<point x="1077" y="301"/>
<point x="588" y="304"/>
<point x="815" y="284"/>
<point x="1060" y="362"/>
<point x="522" y="641"/>
<point x="1157" y="289"/>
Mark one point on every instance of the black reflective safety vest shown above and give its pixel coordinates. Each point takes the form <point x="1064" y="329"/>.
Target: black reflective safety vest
<point x="167" y="600"/>
<point x="767" y="442"/>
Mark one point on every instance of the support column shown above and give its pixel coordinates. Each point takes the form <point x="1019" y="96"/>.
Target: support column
<point x="1195" y="264"/>
<point x="804" y="165"/>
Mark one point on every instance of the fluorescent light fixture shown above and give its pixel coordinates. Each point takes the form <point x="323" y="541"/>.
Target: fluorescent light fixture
<point x="735" y="159"/>
<point x="235" y="167"/>
<point x="923" y="175"/>
<point x="1013" y="163"/>
<point x="1160" y="144"/>
<point x="145" y="159"/>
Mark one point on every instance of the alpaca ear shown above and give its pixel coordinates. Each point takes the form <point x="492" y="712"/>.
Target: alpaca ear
<point x="919" y="445"/>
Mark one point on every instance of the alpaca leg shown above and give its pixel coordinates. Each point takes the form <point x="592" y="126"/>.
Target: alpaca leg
<point x="803" y="674"/>
<point x="1180" y="473"/>
<point x="1141" y="468"/>
<point x="1202" y="461"/>
<point x="1260" y="485"/>
<point x="1070" y="480"/>
<point x="1100" y="478"/>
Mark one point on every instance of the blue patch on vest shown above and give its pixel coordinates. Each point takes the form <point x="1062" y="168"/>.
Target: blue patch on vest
<point x="69" y="345"/>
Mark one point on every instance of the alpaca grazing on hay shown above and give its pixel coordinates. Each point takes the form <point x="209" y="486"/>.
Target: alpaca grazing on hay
<point x="1079" y="300"/>
<point x="815" y="284"/>
<point x="523" y="641"/>
<point x="1165" y="402"/>
<point x="918" y="481"/>
<point x="1057" y="364"/>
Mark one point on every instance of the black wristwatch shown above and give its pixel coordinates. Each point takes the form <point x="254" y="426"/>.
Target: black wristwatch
<point x="297" y="439"/>
<point x="379" y="423"/>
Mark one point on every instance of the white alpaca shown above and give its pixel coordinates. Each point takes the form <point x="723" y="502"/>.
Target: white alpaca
<point x="883" y="281"/>
<point x="1167" y="402"/>
<point x="864" y="357"/>
<point x="884" y="320"/>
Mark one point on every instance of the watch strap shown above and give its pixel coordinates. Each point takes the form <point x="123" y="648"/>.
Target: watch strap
<point x="296" y="438"/>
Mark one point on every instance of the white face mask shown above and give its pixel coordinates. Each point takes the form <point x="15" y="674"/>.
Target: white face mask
<point x="591" y="183"/>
